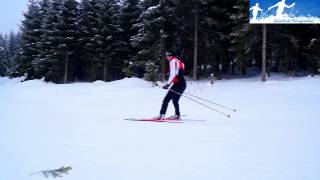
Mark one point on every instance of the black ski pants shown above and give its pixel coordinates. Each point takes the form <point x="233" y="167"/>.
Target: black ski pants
<point x="179" y="88"/>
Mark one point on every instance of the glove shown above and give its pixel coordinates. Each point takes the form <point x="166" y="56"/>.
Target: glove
<point x="166" y="86"/>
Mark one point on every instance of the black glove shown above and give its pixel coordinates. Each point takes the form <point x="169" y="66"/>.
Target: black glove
<point x="166" y="86"/>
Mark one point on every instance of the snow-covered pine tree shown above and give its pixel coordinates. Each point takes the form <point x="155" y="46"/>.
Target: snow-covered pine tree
<point x="48" y="61"/>
<point x="243" y="37"/>
<point x="30" y="36"/>
<point x="185" y="31"/>
<point x="11" y="45"/>
<point x="157" y="17"/>
<point x="4" y="59"/>
<point x="60" y="39"/>
<point x="99" y="24"/>
<point x="16" y="54"/>
<point x="109" y="39"/>
<point x="13" y="51"/>
<point x="70" y="37"/>
<point x="88" y="23"/>
<point x="214" y="23"/>
<point x="40" y="64"/>
<point x="313" y="56"/>
<point x="129" y="22"/>
<point x="152" y="71"/>
<point x="288" y="50"/>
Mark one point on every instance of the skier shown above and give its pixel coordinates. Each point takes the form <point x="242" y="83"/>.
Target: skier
<point x="176" y="85"/>
<point x="255" y="10"/>
<point x="281" y="5"/>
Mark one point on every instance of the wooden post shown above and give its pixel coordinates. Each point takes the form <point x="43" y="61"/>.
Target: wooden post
<point x="195" y="56"/>
<point x="264" y="49"/>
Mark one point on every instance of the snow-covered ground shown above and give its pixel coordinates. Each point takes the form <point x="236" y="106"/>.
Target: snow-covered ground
<point x="286" y="19"/>
<point x="274" y="135"/>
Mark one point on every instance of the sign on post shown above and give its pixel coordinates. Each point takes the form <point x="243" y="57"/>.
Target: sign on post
<point x="284" y="12"/>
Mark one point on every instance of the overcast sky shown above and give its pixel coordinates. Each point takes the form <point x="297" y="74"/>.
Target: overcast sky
<point x="11" y="14"/>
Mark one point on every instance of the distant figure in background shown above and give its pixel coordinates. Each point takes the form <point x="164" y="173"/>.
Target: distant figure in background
<point x="281" y="5"/>
<point x="255" y="10"/>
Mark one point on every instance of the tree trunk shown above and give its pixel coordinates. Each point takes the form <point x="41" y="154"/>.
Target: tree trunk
<point x="269" y="68"/>
<point x="195" y="57"/>
<point x="244" y="68"/>
<point x="206" y="59"/>
<point x="5" y="66"/>
<point x="232" y="67"/>
<point x="162" y="60"/>
<point x="65" y="79"/>
<point x="105" y="70"/>
<point x="264" y="49"/>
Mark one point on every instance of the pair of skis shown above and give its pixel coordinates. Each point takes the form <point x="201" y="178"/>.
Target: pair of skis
<point x="164" y="120"/>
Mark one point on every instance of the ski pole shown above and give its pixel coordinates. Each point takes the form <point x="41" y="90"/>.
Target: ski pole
<point x="291" y="11"/>
<point x="264" y="14"/>
<point x="226" y="107"/>
<point x="202" y="104"/>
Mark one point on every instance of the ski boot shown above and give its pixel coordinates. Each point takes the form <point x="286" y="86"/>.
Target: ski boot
<point x="160" y="117"/>
<point x="174" y="117"/>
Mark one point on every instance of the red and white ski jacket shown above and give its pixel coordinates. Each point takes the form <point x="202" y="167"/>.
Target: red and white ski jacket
<point x="176" y="71"/>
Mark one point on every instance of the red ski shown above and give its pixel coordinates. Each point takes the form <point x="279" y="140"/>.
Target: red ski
<point x="165" y="120"/>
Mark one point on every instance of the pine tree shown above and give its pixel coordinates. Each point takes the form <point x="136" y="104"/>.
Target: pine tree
<point x="244" y="37"/>
<point x="152" y="72"/>
<point x="129" y="23"/>
<point x="88" y="23"/>
<point x="16" y="54"/>
<point x="99" y="26"/>
<point x="70" y="36"/>
<point x="294" y="50"/>
<point x="214" y="36"/>
<point x="312" y="53"/>
<point x="40" y="64"/>
<point x="109" y="33"/>
<point x="4" y="59"/>
<point x="213" y="24"/>
<point x="13" y="52"/>
<point x="30" y="37"/>
<point x="49" y="63"/>
<point x="158" y="23"/>
<point x="184" y="34"/>
<point x="59" y="41"/>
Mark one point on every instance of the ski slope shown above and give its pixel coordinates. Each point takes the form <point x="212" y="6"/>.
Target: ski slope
<point x="273" y="136"/>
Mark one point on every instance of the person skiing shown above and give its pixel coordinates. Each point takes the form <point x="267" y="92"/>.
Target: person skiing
<point x="281" y="5"/>
<point x="255" y="10"/>
<point x="176" y="85"/>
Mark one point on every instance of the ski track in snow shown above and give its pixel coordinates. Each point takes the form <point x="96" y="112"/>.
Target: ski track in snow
<point x="274" y="135"/>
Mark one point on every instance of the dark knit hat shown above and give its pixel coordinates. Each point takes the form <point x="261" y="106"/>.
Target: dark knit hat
<point x="169" y="53"/>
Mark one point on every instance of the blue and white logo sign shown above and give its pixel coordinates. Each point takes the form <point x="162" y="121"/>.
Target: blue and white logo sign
<point x="284" y="12"/>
